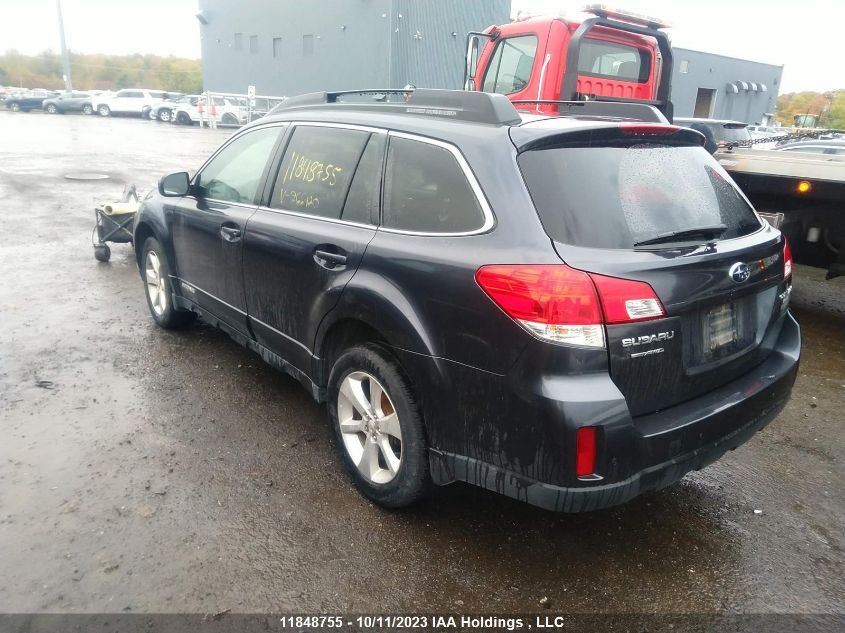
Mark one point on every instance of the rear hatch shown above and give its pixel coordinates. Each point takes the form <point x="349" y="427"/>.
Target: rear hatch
<point x="621" y="202"/>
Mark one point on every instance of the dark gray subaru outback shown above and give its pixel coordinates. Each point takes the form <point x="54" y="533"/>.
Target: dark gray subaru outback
<point x="567" y="310"/>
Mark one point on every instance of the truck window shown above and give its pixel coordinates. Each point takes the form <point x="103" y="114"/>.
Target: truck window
<point x="317" y="169"/>
<point x="640" y="191"/>
<point x="426" y="191"/>
<point x="617" y="61"/>
<point x="510" y="65"/>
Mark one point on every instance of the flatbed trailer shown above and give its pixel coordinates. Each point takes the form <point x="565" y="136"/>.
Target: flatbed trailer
<point x="802" y="194"/>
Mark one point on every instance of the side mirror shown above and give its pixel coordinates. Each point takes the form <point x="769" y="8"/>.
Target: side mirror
<point x="175" y="185"/>
<point x="473" y="45"/>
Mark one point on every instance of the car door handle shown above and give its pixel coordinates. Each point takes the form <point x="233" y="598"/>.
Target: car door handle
<point x="230" y="233"/>
<point x="328" y="259"/>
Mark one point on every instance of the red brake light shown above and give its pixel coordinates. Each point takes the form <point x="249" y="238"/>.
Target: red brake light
<point x="564" y="305"/>
<point x="787" y="259"/>
<point x="648" y="129"/>
<point x="624" y="300"/>
<point x="585" y="451"/>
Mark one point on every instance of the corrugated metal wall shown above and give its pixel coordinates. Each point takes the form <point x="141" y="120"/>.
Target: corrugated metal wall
<point x="429" y="38"/>
<point x="288" y="48"/>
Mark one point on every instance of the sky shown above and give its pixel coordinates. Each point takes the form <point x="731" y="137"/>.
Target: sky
<point x="807" y="44"/>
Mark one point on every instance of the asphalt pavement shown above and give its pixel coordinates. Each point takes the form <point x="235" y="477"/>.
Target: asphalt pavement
<point x="144" y="470"/>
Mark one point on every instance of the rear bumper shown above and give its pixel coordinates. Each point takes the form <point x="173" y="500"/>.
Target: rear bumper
<point x="643" y="453"/>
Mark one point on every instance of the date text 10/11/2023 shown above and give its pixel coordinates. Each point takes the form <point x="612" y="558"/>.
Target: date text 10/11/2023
<point x="408" y="622"/>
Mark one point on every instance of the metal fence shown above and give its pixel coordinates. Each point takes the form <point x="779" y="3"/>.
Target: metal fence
<point x="227" y="109"/>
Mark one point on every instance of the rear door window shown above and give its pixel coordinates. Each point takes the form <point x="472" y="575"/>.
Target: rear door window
<point x="616" y="61"/>
<point x="509" y="68"/>
<point x="362" y="202"/>
<point x="614" y="197"/>
<point x="426" y="190"/>
<point x="317" y="170"/>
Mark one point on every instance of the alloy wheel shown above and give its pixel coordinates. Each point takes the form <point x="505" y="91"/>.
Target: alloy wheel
<point x="369" y="427"/>
<point x="156" y="288"/>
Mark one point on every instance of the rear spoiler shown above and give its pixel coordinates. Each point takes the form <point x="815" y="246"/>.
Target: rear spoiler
<point x="569" y="90"/>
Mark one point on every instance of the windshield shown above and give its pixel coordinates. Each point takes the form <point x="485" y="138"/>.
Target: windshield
<point x="635" y="193"/>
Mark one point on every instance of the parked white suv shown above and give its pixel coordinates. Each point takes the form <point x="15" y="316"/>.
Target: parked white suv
<point x="129" y="101"/>
<point x="226" y="110"/>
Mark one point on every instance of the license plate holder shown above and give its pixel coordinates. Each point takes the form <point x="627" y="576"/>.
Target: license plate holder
<point x="721" y="326"/>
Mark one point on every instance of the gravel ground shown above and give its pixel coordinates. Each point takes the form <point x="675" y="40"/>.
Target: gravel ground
<point x="152" y="471"/>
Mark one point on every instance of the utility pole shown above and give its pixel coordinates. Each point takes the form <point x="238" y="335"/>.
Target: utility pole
<point x="65" y="54"/>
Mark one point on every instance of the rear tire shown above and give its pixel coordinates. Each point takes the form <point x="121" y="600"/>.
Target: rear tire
<point x="51" y="108"/>
<point x="155" y="271"/>
<point x="104" y="110"/>
<point x="87" y="109"/>
<point x="378" y="427"/>
<point x="182" y="118"/>
<point x="165" y="115"/>
<point x="15" y="107"/>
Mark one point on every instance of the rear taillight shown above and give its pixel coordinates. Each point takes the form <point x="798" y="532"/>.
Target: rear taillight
<point x="563" y="305"/>
<point x="787" y="259"/>
<point x="555" y="303"/>
<point x="585" y="451"/>
<point x="625" y="300"/>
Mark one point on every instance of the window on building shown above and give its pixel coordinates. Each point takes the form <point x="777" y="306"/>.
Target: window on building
<point x="684" y="68"/>
<point x="617" y="61"/>
<point x="239" y="42"/>
<point x="426" y="190"/>
<point x="510" y="67"/>
<point x="307" y="45"/>
<point x="253" y="44"/>
<point x="277" y="47"/>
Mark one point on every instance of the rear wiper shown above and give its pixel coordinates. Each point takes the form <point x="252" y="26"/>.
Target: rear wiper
<point x="710" y="232"/>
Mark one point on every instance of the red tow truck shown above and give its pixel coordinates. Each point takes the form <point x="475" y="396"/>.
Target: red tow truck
<point x="609" y="56"/>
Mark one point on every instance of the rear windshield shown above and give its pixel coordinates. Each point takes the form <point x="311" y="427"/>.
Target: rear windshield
<point x="614" y="197"/>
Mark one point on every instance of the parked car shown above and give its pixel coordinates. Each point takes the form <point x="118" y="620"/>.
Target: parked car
<point x="822" y="146"/>
<point x="717" y="132"/>
<point x="26" y="101"/>
<point x="568" y="310"/>
<point x="226" y="110"/>
<point x="69" y="102"/>
<point x="164" y="111"/>
<point x="168" y="97"/>
<point x="130" y="101"/>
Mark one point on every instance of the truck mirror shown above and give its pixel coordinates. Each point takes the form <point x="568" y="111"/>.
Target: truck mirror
<point x="471" y="61"/>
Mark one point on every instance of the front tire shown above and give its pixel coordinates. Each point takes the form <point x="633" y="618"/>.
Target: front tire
<point x="104" y="110"/>
<point x="87" y="109"/>
<point x="15" y="107"/>
<point x="164" y="115"/>
<point x="378" y="427"/>
<point x="159" y="292"/>
<point x="51" y="109"/>
<point x="182" y="118"/>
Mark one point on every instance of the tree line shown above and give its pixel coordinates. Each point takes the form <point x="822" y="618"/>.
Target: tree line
<point x="827" y="107"/>
<point x="101" y="72"/>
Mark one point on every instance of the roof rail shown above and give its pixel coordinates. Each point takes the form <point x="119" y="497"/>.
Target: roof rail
<point x="461" y="105"/>
<point x="631" y="111"/>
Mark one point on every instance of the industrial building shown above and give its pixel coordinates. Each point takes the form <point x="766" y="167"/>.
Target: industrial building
<point x="713" y="86"/>
<point x="286" y="48"/>
<point x="283" y="48"/>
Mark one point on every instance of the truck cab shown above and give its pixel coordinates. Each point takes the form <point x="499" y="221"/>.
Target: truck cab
<point x="608" y="56"/>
